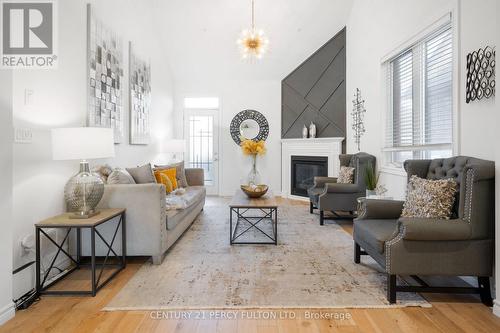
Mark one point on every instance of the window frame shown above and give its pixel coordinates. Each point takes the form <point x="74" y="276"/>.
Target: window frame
<point x="426" y="34"/>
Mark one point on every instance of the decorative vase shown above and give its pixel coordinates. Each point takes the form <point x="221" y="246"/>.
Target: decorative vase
<point x="370" y="193"/>
<point x="304" y="132"/>
<point x="312" y="130"/>
<point x="253" y="177"/>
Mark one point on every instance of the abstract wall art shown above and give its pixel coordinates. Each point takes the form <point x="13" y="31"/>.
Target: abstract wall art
<point x="480" y="74"/>
<point x="140" y="99"/>
<point x="104" y="76"/>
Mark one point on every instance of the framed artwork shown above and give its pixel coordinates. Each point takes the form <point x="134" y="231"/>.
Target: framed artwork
<point x="140" y="99"/>
<point x="104" y="76"/>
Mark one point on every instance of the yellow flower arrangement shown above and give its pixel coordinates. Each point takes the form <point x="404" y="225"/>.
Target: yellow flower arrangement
<point x="250" y="147"/>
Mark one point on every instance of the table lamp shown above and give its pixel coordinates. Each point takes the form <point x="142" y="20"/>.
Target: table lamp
<point x="174" y="146"/>
<point x="84" y="190"/>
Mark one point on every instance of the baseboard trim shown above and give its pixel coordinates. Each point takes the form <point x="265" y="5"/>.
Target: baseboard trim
<point x="7" y="313"/>
<point x="496" y="307"/>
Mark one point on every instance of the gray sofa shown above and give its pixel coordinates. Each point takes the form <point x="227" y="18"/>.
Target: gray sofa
<point x="328" y="195"/>
<point x="151" y="229"/>
<point x="460" y="246"/>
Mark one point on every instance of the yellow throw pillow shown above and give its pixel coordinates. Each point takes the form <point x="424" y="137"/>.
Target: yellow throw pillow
<point x="168" y="184"/>
<point x="170" y="173"/>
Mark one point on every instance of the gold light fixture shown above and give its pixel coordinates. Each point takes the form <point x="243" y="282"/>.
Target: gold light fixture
<point x="253" y="43"/>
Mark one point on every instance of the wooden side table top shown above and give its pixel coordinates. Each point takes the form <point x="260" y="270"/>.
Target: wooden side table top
<point x="63" y="220"/>
<point x="240" y="200"/>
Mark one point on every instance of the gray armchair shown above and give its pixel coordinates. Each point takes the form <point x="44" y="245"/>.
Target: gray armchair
<point x="460" y="246"/>
<point x="328" y="195"/>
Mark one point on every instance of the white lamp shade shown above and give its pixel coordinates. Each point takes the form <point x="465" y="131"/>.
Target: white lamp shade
<point x="173" y="146"/>
<point x="81" y="143"/>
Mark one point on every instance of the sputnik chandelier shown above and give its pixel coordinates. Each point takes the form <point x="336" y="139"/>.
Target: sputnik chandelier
<point x="253" y="43"/>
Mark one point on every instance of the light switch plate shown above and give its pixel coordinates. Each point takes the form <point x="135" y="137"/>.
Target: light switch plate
<point x="23" y="135"/>
<point x="29" y="97"/>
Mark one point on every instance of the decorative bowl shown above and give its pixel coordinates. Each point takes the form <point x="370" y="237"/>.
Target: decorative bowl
<point x="254" y="191"/>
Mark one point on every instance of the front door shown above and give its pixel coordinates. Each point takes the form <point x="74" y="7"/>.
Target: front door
<point x="201" y="131"/>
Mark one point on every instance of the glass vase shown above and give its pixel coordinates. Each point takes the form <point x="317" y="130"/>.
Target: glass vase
<point x="253" y="177"/>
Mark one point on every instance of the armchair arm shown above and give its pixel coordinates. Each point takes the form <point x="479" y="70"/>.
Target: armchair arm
<point x="341" y="188"/>
<point x="483" y="171"/>
<point x="434" y="229"/>
<point x="380" y="209"/>
<point x="195" y="176"/>
<point x="321" y="181"/>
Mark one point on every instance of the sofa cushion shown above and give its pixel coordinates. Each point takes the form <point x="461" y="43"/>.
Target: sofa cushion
<point x="375" y="232"/>
<point x="192" y="196"/>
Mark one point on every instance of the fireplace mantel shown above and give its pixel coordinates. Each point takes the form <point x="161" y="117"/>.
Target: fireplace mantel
<point x="328" y="147"/>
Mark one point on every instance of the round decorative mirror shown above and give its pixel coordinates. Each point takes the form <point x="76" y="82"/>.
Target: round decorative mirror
<point x="249" y="129"/>
<point x="249" y="125"/>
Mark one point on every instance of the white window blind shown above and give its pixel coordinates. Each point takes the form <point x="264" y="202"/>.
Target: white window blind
<point x="420" y="99"/>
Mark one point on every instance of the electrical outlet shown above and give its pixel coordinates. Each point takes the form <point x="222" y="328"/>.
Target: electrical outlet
<point x="23" y="135"/>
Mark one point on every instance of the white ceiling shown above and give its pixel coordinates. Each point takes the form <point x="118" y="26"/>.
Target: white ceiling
<point x="200" y="35"/>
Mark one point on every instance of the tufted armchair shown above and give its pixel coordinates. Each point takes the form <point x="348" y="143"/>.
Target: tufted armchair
<point x="328" y="195"/>
<point x="460" y="246"/>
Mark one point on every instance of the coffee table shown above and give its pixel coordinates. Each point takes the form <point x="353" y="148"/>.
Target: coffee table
<point x="253" y="221"/>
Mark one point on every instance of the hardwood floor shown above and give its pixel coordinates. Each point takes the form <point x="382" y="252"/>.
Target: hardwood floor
<point x="449" y="313"/>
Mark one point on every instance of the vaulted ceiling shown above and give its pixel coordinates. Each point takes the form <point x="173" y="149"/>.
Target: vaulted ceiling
<point x="200" y="35"/>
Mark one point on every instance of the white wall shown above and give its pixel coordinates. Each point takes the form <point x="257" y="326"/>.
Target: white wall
<point x="496" y="306"/>
<point x="60" y="101"/>
<point x="235" y="96"/>
<point x="376" y="28"/>
<point x="6" y="305"/>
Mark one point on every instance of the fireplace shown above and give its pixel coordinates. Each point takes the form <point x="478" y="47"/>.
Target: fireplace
<point x="303" y="171"/>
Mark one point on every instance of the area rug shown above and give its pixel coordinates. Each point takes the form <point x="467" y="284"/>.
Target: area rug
<point x="311" y="267"/>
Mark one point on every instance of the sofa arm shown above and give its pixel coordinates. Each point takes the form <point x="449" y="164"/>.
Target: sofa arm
<point x="380" y="209"/>
<point x="195" y="176"/>
<point x="321" y="181"/>
<point x="429" y="229"/>
<point x="483" y="171"/>
<point x="146" y="215"/>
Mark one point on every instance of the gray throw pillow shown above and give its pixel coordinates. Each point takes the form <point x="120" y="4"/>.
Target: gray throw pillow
<point x="426" y="198"/>
<point x="142" y="174"/>
<point x="120" y="176"/>
<point x="179" y="170"/>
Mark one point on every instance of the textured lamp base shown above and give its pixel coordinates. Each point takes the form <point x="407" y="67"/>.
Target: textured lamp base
<point x="83" y="192"/>
<point x="84" y="215"/>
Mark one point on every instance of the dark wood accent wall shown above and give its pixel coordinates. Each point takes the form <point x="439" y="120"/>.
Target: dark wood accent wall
<point x="316" y="92"/>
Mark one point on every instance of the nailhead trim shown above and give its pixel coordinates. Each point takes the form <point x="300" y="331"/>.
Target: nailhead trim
<point x="388" y="245"/>
<point x="468" y="195"/>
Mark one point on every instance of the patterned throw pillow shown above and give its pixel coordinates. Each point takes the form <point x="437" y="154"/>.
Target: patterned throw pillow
<point x="103" y="171"/>
<point x="120" y="176"/>
<point x="346" y="175"/>
<point x="426" y="198"/>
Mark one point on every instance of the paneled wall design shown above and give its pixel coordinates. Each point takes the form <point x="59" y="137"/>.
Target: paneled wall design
<point x="316" y="92"/>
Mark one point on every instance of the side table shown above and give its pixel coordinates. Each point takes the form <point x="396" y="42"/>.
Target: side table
<point x="64" y="222"/>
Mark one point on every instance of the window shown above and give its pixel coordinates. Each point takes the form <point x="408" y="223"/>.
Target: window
<point x="420" y="100"/>
<point x="209" y="103"/>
